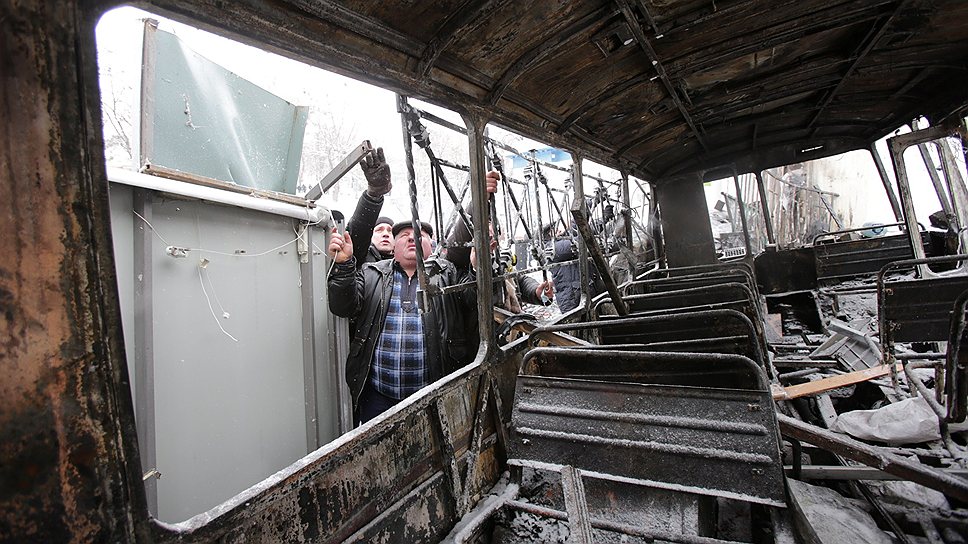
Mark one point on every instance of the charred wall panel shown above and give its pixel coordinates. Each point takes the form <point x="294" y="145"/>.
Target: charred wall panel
<point x="68" y="471"/>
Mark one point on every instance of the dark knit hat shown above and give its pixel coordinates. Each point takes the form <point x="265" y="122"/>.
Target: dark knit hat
<point x="424" y="226"/>
<point x="383" y="219"/>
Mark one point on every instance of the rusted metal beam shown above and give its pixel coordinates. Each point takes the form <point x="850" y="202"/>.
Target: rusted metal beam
<point x="626" y="8"/>
<point x="461" y="20"/>
<point x="863" y="48"/>
<point x="539" y="53"/>
<point x="580" y="212"/>
<point x="875" y="457"/>
<point x="765" y="203"/>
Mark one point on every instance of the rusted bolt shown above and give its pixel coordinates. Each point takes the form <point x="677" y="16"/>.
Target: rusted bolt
<point x="754" y="407"/>
<point x="757" y="471"/>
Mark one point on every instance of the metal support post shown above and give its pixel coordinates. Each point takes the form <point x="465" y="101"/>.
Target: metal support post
<point x="764" y="202"/>
<point x="424" y="291"/>
<point x="475" y="123"/>
<point x="742" y="216"/>
<point x="882" y="172"/>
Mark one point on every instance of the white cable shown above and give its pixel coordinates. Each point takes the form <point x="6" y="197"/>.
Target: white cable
<point x="214" y="292"/>
<point x="150" y="226"/>
<point x="205" y="292"/>
<point x="202" y="250"/>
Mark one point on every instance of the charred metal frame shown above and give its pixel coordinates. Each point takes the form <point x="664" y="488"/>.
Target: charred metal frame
<point x="875" y="457"/>
<point x="897" y="146"/>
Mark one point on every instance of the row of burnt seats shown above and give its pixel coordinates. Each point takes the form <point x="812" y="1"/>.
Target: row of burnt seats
<point x="703" y="309"/>
<point x="672" y="397"/>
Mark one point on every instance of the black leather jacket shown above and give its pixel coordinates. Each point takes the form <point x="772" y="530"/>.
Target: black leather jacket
<point x="364" y="295"/>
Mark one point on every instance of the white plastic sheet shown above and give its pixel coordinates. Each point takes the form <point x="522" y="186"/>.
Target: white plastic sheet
<point x="910" y="421"/>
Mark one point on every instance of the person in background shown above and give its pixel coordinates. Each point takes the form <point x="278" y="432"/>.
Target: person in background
<point x="396" y="348"/>
<point x="522" y="288"/>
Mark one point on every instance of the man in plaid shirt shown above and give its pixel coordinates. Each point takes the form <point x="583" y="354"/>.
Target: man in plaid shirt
<point x="396" y="348"/>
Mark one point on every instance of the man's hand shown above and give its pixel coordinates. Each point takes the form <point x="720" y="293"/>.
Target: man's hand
<point x="340" y="246"/>
<point x="377" y="173"/>
<point x="490" y="181"/>
<point x="545" y="291"/>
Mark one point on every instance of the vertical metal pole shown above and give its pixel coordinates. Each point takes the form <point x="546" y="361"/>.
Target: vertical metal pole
<point x="765" y="204"/>
<point x="144" y="359"/>
<point x="578" y="182"/>
<point x="655" y="223"/>
<point x="414" y="213"/>
<point x="475" y="123"/>
<point x="943" y="197"/>
<point x="627" y="212"/>
<point x="907" y="203"/>
<point x="957" y="190"/>
<point x="881" y="171"/>
<point x="742" y="215"/>
<point x="305" y="245"/>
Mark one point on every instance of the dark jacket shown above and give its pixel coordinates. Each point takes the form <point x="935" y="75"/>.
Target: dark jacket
<point x="567" y="277"/>
<point x="461" y="258"/>
<point x="364" y="295"/>
<point x="361" y="228"/>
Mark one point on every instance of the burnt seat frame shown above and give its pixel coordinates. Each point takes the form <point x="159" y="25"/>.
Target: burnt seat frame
<point x="697" y="269"/>
<point x="837" y="261"/>
<point x="543" y="433"/>
<point x="737" y="317"/>
<point x="746" y="302"/>
<point x="940" y="316"/>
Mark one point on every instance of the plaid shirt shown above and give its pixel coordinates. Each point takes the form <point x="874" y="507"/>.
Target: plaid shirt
<point x="398" y="361"/>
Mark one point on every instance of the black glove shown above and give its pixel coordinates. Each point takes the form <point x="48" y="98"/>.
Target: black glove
<point x="609" y="213"/>
<point x="377" y="173"/>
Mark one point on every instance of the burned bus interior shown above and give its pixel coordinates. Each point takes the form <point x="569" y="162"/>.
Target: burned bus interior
<point x="767" y="212"/>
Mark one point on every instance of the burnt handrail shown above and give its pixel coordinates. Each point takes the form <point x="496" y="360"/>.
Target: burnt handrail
<point x="599" y="355"/>
<point x="652" y="319"/>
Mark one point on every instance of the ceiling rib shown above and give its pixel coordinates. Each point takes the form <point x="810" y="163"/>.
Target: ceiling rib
<point x="865" y="47"/>
<point x="805" y="24"/>
<point x="626" y="8"/>
<point x="463" y="19"/>
<point x="535" y="55"/>
<point x="607" y="94"/>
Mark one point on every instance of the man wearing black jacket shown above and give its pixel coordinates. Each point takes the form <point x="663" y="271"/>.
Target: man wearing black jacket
<point x="396" y="348"/>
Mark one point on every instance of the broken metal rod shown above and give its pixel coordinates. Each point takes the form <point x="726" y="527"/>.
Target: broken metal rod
<point x="580" y="213"/>
<point x="352" y="159"/>
<point x="875" y="457"/>
<point x="835" y="472"/>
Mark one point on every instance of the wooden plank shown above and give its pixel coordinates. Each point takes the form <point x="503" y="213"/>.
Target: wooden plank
<point x="833" y="382"/>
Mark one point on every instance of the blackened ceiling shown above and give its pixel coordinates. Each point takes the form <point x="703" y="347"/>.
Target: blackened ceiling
<point x="655" y="87"/>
